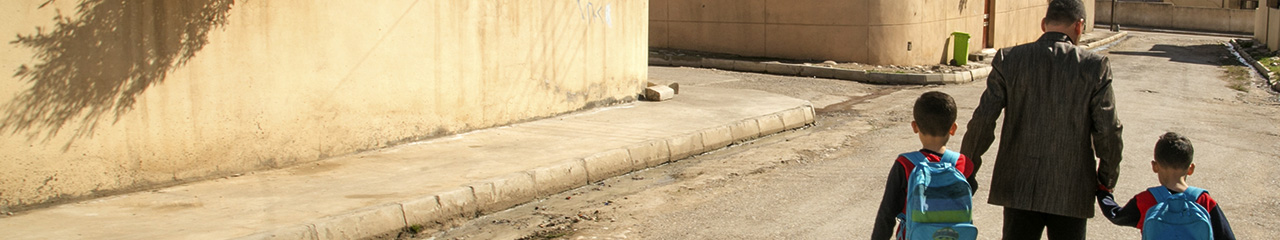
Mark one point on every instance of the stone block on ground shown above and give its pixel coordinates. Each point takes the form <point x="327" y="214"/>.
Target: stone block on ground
<point x="659" y="93"/>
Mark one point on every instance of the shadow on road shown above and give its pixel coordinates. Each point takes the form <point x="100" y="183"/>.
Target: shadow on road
<point x="1196" y="54"/>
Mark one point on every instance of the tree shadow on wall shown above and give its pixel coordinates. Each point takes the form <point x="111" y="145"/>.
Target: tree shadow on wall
<point x="95" y="65"/>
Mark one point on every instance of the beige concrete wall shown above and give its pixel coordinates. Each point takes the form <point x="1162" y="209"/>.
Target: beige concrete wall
<point x="129" y="97"/>
<point x="1267" y="24"/>
<point x="1016" y="22"/>
<point x="1273" y="34"/>
<point x="1165" y="15"/>
<point x="1260" y="16"/>
<point x="1089" y="19"/>
<point x="867" y="31"/>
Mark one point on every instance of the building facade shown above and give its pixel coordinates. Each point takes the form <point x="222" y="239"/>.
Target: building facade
<point x="1180" y="15"/>
<point x="910" y="32"/>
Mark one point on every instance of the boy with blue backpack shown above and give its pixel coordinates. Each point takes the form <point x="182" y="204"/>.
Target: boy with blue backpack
<point x="929" y="191"/>
<point x="1173" y="210"/>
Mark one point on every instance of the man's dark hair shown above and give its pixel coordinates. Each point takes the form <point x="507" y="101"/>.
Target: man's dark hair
<point x="1063" y="12"/>
<point x="934" y="113"/>
<point x="1173" y="150"/>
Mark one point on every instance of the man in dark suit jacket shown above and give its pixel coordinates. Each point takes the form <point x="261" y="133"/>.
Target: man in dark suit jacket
<point x="1059" y="112"/>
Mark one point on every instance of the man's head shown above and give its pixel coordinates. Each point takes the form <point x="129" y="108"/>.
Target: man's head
<point x="1065" y="16"/>
<point x="1174" y="151"/>
<point x="935" y="114"/>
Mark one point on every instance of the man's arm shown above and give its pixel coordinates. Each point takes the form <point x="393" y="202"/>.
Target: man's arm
<point x="981" y="130"/>
<point x="1107" y="144"/>
<point x="891" y="203"/>
<point x="1123" y="216"/>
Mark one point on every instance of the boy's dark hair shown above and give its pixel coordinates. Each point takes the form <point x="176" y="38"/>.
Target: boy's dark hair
<point x="1173" y="150"/>
<point x="1062" y="12"/>
<point x="934" y="113"/>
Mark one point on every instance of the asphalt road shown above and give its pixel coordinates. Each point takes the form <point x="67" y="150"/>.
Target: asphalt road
<point x="825" y="181"/>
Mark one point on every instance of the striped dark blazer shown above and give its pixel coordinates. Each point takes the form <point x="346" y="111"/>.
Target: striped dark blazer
<point x="1059" y="114"/>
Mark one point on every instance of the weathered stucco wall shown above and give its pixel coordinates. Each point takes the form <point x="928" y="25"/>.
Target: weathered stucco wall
<point x="1165" y="15"/>
<point x="1266" y="28"/>
<point x="130" y="94"/>
<point x="868" y="31"/>
<point x="1016" y="22"/>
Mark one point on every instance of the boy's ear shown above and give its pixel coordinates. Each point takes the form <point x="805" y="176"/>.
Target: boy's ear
<point x="1191" y="169"/>
<point x="953" y="129"/>
<point x="915" y="128"/>
<point x="1155" y="167"/>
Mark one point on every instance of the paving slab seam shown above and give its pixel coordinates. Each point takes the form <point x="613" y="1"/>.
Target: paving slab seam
<point x="443" y="210"/>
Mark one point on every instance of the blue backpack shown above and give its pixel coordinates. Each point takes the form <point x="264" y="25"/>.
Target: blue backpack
<point x="1176" y="216"/>
<point x="939" y="202"/>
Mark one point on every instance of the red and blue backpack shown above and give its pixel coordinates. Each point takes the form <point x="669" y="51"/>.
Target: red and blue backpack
<point x="939" y="201"/>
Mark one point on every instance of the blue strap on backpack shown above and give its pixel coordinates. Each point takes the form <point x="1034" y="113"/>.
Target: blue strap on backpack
<point x="1177" y="216"/>
<point x="939" y="201"/>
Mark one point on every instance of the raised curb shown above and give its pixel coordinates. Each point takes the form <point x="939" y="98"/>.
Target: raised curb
<point x="803" y="70"/>
<point x="608" y="164"/>
<point x="443" y="210"/>
<point x="874" y="77"/>
<point x="1106" y="40"/>
<point x="1257" y="66"/>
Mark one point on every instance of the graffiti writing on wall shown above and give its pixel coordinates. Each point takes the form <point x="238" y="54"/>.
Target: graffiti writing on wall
<point x="592" y="12"/>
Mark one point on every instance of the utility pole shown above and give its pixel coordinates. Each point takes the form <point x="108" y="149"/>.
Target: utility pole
<point x="1115" y="27"/>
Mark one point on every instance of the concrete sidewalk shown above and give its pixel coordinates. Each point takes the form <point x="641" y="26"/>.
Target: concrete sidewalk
<point x="430" y="183"/>
<point x="730" y="62"/>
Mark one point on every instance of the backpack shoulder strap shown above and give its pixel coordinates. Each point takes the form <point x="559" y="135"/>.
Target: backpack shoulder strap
<point x="1193" y="193"/>
<point x="951" y="157"/>
<point x="916" y="158"/>
<point x="1160" y="193"/>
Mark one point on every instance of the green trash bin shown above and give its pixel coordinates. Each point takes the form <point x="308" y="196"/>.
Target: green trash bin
<point x="961" y="48"/>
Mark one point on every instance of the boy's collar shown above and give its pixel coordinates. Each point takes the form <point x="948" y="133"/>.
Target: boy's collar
<point x="926" y="150"/>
